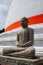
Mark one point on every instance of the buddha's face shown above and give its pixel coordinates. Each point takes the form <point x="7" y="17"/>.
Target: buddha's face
<point x="24" y="23"/>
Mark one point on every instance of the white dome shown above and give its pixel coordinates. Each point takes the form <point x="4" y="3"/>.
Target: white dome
<point x="20" y="8"/>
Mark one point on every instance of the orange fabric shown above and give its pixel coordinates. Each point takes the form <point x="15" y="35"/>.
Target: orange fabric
<point x="32" y="20"/>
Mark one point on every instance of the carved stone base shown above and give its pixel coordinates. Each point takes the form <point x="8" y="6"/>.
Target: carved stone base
<point x="6" y="60"/>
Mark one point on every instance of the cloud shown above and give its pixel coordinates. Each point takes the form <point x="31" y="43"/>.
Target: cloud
<point x="3" y="11"/>
<point x="4" y="6"/>
<point x="3" y="14"/>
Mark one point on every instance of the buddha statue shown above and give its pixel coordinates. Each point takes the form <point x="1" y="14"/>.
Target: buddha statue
<point x="25" y="40"/>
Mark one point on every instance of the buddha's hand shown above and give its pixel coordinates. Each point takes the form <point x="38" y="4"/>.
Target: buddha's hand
<point x="27" y="43"/>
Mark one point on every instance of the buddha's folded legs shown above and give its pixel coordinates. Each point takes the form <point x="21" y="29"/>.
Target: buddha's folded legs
<point x="28" y="53"/>
<point x="14" y="49"/>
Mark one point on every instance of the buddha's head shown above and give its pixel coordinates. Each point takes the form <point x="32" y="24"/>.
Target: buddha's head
<point x="24" y="22"/>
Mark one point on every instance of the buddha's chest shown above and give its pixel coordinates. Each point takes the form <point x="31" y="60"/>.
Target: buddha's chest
<point x="24" y="35"/>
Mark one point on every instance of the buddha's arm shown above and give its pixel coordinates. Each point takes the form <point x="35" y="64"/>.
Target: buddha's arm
<point x="27" y="43"/>
<point x="17" y="37"/>
<point x="18" y="44"/>
<point x="32" y="37"/>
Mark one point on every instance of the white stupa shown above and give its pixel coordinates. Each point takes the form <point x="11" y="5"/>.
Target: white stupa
<point x="30" y="9"/>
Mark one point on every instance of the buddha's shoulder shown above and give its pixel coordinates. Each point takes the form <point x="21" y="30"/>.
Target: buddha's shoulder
<point x="30" y="29"/>
<point x="20" y="31"/>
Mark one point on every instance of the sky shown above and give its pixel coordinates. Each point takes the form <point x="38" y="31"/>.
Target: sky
<point x="4" y="7"/>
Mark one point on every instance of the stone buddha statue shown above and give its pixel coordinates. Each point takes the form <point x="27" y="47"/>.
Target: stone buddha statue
<point x="25" y="40"/>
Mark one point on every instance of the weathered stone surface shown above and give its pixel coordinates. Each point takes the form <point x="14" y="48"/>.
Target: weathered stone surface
<point x="6" y="60"/>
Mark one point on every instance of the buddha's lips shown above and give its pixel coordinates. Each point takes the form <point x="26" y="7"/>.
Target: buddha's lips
<point x="32" y="20"/>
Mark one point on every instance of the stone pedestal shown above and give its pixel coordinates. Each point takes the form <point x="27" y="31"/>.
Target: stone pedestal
<point x="6" y="60"/>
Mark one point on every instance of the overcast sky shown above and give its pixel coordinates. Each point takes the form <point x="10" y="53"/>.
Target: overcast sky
<point x="4" y="7"/>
